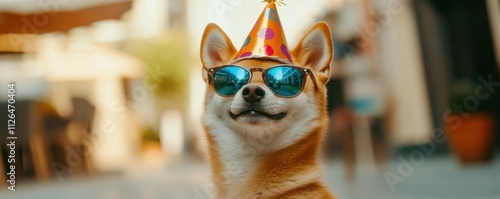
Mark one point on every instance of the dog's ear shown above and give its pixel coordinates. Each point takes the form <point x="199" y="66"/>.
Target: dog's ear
<point x="315" y="51"/>
<point x="216" y="47"/>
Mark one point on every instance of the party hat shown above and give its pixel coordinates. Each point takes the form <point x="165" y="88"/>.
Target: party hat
<point x="266" y="39"/>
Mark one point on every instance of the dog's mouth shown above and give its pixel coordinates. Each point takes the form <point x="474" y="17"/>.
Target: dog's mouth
<point x="257" y="114"/>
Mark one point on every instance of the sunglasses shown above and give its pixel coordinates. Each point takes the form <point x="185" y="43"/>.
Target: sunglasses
<point x="283" y="80"/>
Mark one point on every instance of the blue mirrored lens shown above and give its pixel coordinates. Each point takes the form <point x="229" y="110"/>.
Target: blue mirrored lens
<point x="228" y="80"/>
<point x="285" y="81"/>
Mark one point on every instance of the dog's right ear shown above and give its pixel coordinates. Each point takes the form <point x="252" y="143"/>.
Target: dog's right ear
<point x="216" y="48"/>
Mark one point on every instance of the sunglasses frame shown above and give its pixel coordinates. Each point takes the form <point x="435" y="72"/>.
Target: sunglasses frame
<point x="305" y="72"/>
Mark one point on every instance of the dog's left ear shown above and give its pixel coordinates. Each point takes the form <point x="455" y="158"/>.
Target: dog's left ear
<point x="315" y="51"/>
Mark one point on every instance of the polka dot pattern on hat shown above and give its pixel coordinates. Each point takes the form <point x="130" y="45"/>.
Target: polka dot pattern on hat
<point x="284" y="50"/>
<point x="269" y="50"/>
<point x="266" y="33"/>
<point x="273" y="15"/>
<point x="266" y="39"/>
<point x="246" y="54"/>
<point x="247" y="40"/>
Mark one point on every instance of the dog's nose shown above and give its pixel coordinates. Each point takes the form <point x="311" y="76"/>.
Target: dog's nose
<point x="253" y="94"/>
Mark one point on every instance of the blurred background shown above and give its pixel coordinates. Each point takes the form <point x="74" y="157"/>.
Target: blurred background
<point x="109" y="95"/>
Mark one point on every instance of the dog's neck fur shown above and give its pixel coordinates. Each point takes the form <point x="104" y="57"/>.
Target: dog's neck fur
<point x="242" y="165"/>
<point x="241" y="171"/>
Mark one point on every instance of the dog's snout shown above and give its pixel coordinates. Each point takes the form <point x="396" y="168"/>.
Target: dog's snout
<point x="253" y="94"/>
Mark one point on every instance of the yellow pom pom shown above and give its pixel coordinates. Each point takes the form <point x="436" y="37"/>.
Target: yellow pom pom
<point x="279" y="2"/>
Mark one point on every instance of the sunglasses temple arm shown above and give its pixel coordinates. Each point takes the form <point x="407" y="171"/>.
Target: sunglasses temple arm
<point x="209" y="76"/>
<point x="313" y="79"/>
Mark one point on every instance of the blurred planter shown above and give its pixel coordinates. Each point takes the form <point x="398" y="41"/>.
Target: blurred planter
<point x="150" y="138"/>
<point x="472" y="140"/>
<point x="151" y="152"/>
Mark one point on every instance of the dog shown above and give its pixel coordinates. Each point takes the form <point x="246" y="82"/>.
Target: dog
<point x="262" y="141"/>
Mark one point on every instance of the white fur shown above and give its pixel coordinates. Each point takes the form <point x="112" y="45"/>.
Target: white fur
<point x="302" y="178"/>
<point x="240" y="143"/>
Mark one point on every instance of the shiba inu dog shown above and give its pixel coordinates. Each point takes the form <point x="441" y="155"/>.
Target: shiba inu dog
<point x="265" y="119"/>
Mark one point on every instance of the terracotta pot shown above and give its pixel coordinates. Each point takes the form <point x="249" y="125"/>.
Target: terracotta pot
<point x="472" y="140"/>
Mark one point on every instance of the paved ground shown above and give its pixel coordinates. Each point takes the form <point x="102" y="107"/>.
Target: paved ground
<point x="432" y="178"/>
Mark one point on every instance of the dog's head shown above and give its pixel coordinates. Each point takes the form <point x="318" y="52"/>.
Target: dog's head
<point x="256" y="113"/>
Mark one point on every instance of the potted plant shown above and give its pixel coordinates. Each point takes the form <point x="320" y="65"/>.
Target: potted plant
<point x="470" y="135"/>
